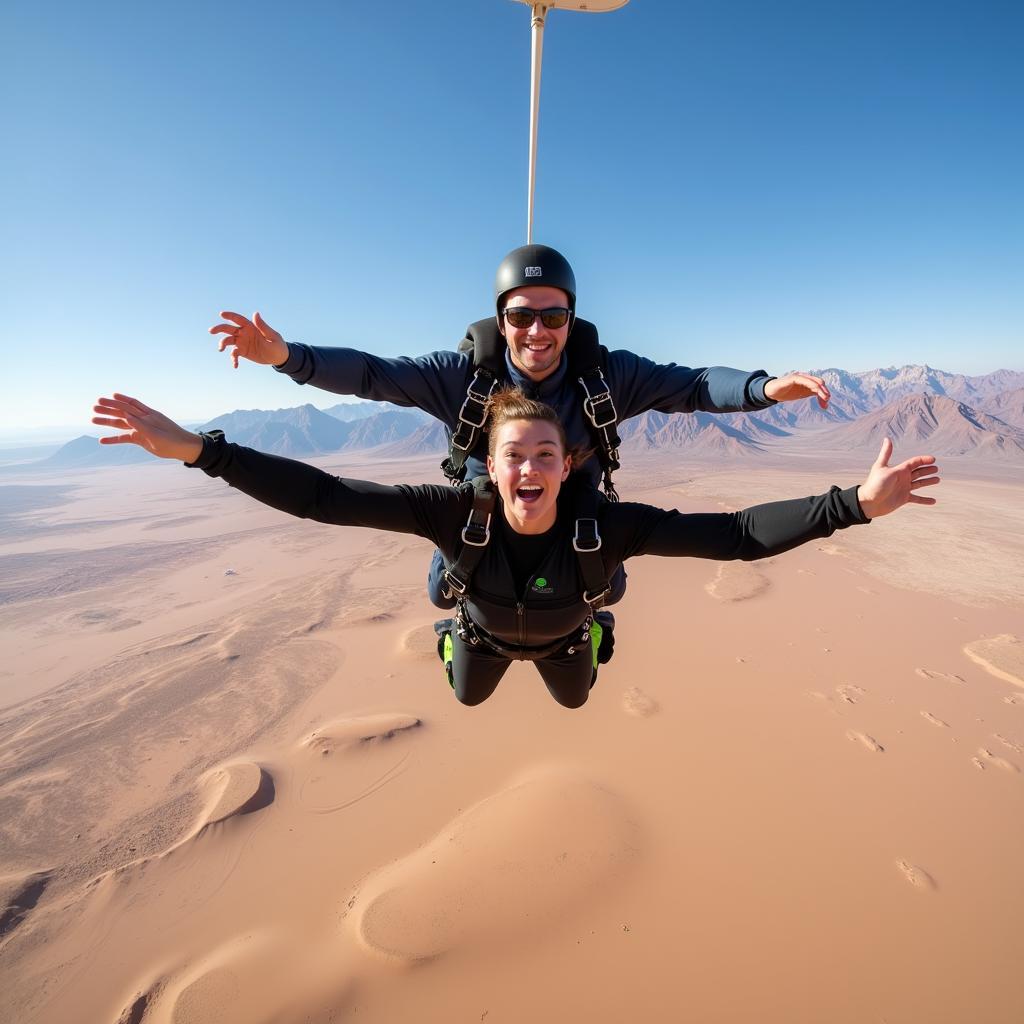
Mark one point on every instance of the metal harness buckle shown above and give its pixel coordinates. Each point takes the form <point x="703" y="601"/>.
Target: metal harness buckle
<point x="588" y="543"/>
<point x="455" y="585"/>
<point x="480" y="399"/>
<point x="476" y="535"/>
<point x="594" y="404"/>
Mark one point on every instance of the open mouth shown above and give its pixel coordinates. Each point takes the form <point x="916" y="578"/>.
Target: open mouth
<point x="529" y="493"/>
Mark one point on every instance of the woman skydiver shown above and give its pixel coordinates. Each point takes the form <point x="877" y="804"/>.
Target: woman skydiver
<point x="530" y="594"/>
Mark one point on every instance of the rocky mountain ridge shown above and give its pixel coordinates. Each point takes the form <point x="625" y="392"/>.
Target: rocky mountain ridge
<point x="953" y="414"/>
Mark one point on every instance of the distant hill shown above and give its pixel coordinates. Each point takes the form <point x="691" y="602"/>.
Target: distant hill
<point x="699" y="431"/>
<point x="292" y="432"/>
<point x="306" y="430"/>
<point x="1008" y="406"/>
<point x="953" y="413"/>
<point x="429" y="439"/>
<point x="349" y="411"/>
<point x="943" y="425"/>
<point x="85" y="451"/>
<point x="858" y="393"/>
<point x="383" y="428"/>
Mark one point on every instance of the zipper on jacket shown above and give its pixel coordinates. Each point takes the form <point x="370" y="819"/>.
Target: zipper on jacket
<point x="521" y="623"/>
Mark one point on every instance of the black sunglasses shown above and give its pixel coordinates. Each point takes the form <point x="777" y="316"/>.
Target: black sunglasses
<point x="521" y="316"/>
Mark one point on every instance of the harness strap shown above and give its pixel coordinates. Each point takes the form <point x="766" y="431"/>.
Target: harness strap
<point x="486" y="346"/>
<point x="476" y="535"/>
<point x="586" y="542"/>
<point x="600" y="410"/>
<point x="472" y="417"/>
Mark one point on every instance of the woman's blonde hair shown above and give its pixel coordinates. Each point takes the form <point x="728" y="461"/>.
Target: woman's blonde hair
<point x="511" y="404"/>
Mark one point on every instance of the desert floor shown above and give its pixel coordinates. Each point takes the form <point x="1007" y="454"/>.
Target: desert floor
<point x="235" y="786"/>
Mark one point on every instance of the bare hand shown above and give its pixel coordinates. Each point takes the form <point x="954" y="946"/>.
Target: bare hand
<point x="795" y="386"/>
<point x="253" y="339"/>
<point x="148" y="428"/>
<point x="888" y="488"/>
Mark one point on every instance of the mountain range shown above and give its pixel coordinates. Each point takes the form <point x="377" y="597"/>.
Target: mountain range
<point x="948" y="413"/>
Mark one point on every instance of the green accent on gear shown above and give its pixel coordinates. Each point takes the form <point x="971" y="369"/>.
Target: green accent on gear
<point x="541" y="582"/>
<point x="596" y="632"/>
<point x="449" y="651"/>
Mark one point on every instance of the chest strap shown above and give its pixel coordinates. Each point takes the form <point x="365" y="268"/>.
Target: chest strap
<point x="476" y="535"/>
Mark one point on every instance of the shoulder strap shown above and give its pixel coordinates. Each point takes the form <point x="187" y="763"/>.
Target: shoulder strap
<point x="587" y="358"/>
<point x="485" y="343"/>
<point x="476" y="535"/>
<point x="586" y="542"/>
<point x="587" y="361"/>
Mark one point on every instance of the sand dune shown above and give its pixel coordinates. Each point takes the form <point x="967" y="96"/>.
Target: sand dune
<point x="236" y="789"/>
<point x="19" y="893"/>
<point x="248" y="796"/>
<point x="421" y="642"/>
<point x="553" y="839"/>
<point x="636" y="702"/>
<point x="1002" y="656"/>
<point x="737" y="581"/>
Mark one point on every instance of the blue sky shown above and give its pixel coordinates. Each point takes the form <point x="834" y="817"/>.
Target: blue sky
<point x="785" y="185"/>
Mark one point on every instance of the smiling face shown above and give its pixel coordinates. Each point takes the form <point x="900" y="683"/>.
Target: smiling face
<point x="535" y="350"/>
<point x="528" y="465"/>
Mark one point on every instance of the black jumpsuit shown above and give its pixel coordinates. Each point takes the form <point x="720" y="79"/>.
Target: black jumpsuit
<point x="549" y="606"/>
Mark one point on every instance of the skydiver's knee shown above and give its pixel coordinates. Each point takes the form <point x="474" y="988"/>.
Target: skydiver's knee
<point x="471" y="700"/>
<point x="572" y="701"/>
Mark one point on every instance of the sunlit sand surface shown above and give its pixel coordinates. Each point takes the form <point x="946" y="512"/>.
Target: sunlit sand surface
<point x="236" y="787"/>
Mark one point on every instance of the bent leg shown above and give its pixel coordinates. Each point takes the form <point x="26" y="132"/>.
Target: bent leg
<point x="435" y="583"/>
<point x="569" y="677"/>
<point x="476" y="671"/>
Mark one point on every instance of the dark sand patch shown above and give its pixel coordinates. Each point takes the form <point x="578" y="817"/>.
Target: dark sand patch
<point x="19" y="894"/>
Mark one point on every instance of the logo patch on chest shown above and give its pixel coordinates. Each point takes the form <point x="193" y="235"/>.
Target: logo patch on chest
<point x="542" y="586"/>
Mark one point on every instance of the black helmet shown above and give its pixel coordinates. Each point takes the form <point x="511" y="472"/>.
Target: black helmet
<point x="534" y="265"/>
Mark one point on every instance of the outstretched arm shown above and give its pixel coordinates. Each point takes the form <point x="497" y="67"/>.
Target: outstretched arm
<point x="638" y="384"/>
<point x="775" y="527"/>
<point x="435" y="383"/>
<point x="429" y="511"/>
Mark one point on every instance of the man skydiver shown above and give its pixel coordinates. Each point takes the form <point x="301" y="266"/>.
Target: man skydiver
<point x="535" y="307"/>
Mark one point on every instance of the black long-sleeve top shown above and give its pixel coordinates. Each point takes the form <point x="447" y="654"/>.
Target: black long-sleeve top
<point x="550" y="605"/>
